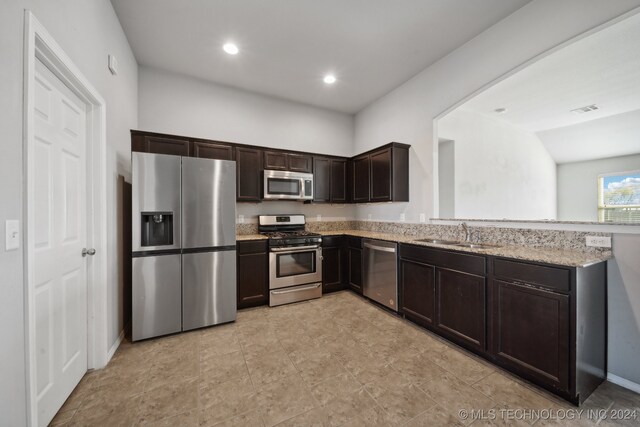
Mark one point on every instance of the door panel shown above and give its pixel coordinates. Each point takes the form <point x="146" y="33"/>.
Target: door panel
<point x="157" y="189"/>
<point x="381" y="175"/>
<point x="156" y="296"/>
<point x="361" y="179"/>
<point x="338" y="181"/>
<point x="461" y="307"/>
<point x="321" y="179"/>
<point x="249" y="174"/>
<point x="208" y="289"/>
<point x="209" y="150"/>
<point x="208" y="203"/>
<point x="59" y="281"/>
<point x="418" y="291"/>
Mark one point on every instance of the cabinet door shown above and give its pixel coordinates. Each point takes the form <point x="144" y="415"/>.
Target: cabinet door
<point x="253" y="280"/>
<point x="417" y="290"/>
<point x="321" y="179"/>
<point x="164" y="145"/>
<point x="275" y="160"/>
<point x="331" y="269"/>
<point x="210" y="150"/>
<point x="355" y="269"/>
<point x="249" y="174"/>
<point x="300" y="163"/>
<point x="531" y="332"/>
<point x="460" y="307"/>
<point x="381" y="175"/>
<point x="361" y="179"/>
<point x="338" y="181"/>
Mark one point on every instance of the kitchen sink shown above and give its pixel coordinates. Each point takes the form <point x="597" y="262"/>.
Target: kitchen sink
<point x="476" y="245"/>
<point x="438" y="241"/>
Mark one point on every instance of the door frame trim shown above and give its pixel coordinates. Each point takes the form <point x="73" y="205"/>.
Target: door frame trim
<point x="40" y="45"/>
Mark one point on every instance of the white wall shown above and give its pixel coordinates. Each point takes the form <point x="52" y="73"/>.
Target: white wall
<point x="170" y="103"/>
<point x="175" y="104"/>
<point x="578" y="185"/>
<point x="406" y="113"/>
<point x="87" y="31"/>
<point x="501" y="171"/>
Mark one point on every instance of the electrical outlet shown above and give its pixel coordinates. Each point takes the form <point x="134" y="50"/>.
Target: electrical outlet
<point x="369" y="217"/>
<point x="240" y="219"/>
<point x="319" y="217"/>
<point x="402" y="217"/>
<point x="599" y="241"/>
<point x="423" y="218"/>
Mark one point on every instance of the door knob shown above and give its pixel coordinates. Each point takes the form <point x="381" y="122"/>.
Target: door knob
<point x="86" y="252"/>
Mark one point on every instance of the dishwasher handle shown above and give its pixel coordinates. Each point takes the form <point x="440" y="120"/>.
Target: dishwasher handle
<point x="379" y="248"/>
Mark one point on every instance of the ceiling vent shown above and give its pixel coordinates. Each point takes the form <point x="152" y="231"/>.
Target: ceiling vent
<point x="585" y="109"/>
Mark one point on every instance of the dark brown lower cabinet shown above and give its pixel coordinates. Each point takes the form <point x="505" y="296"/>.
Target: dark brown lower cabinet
<point x="461" y="307"/>
<point x="354" y="260"/>
<point x="531" y="331"/>
<point x="417" y="291"/>
<point x="253" y="273"/>
<point x="333" y="264"/>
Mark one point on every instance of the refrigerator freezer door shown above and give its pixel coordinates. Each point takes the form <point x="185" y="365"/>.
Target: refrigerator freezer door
<point x="208" y="203"/>
<point x="208" y="288"/>
<point x="156" y="296"/>
<point x="155" y="188"/>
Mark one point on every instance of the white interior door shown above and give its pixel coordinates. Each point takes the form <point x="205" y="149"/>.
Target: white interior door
<point x="59" y="230"/>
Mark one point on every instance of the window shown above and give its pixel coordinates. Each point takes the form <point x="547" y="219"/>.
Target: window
<point x="619" y="197"/>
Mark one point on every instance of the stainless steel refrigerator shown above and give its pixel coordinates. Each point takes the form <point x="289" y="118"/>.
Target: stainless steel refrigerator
<point x="184" y="243"/>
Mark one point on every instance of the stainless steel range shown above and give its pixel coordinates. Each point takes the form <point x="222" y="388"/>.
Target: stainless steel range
<point x="295" y="259"/>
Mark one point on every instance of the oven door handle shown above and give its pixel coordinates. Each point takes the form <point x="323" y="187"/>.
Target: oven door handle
<point x="295" y="249"/>
<point x="297" y="289"/>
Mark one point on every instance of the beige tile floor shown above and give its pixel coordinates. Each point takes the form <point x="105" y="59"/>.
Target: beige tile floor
<point x="336" y="361"/>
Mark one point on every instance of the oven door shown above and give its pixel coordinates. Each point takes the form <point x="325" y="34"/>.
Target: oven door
<point x="294" y="266"/>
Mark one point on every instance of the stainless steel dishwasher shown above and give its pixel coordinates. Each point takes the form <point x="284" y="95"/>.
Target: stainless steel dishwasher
<point x="381" y="272"/>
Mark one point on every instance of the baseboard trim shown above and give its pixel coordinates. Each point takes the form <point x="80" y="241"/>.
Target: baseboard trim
<point x="622" y="382"/>
<point x="115" y="345"/>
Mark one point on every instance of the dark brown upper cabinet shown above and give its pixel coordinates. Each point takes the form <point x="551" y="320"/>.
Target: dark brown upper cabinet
<point x="321" y="179"/>
<point x="382" y="175"/>
<point x="212" y="150"/>
<point x="361" y="179"/>
<point x="160" y="145"/>
<point x="339" y="181"/>
<point x="278" y="160"/>
<point x="329" y="180"/>
<point x="300" y="162"/>
<point x="275" y="160"/>
<point x="248" y="174"/>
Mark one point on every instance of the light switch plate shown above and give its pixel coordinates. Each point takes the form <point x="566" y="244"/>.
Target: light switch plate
<point x="12" y="234"/>
<point x="319" y="217"/>
<point x="599" y="241"/>
<point x="402" y="217"/>
<point x="240" y="219"/>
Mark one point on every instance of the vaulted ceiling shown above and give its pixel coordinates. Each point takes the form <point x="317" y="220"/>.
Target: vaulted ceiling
<point x="287" y="46"/>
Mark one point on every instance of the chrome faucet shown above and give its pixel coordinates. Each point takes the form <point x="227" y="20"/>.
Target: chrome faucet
<point x="467" y="232"/>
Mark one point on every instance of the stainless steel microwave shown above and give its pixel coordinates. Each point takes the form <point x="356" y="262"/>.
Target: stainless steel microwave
<point x="283" y="185"/>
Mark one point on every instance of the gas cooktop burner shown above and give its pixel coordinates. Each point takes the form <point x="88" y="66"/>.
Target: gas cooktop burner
<point x="289" y="234"/>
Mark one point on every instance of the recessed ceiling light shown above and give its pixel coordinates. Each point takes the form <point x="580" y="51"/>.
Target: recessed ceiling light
<point x="500" y="110"/>
<point x="230" y="48"/>
<point x="585" y="109"/>
<point x="329" y="79"/>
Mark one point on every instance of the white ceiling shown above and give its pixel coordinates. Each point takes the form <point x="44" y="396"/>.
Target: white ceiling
<point x="610" y="136"/>
<point x="601" y="69"/>
<point x="287" y="46"/>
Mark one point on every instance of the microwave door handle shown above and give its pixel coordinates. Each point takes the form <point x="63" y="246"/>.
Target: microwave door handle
<point x="302" y="188"/>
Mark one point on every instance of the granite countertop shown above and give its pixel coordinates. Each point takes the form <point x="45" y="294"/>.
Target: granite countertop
<point x="564" y="257"/>
<point x="241" y="237"/>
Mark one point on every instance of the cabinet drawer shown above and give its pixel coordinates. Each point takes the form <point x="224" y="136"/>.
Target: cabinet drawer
<point x="252" y="247"/>
<point x="332" y="241"/>
<point x="550" y="277"/>
<point x="472" y="264"/>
